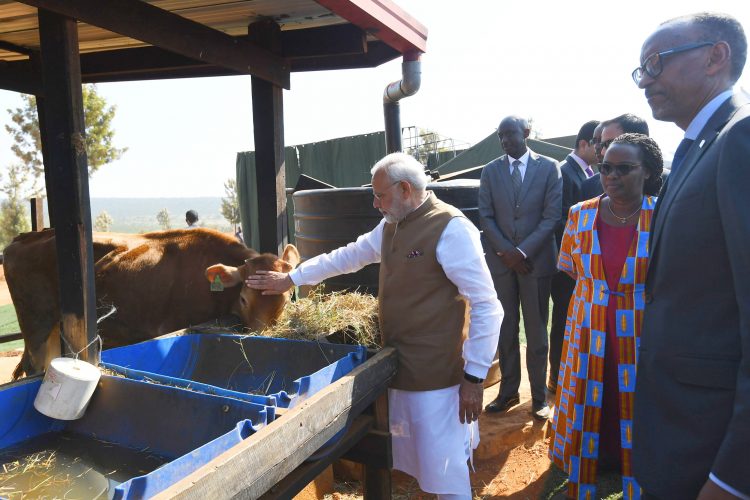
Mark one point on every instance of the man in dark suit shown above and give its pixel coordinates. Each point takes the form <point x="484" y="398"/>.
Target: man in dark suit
<point x="520" y="202"/>
<point x="692" y="399"/>
<point x="623" y="124"/>
<point x="574" y="170"/>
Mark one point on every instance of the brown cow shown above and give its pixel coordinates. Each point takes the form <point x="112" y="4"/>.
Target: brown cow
<point x="157" y="281"/>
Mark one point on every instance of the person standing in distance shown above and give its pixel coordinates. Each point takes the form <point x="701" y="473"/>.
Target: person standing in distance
<point x="191" y="218"/>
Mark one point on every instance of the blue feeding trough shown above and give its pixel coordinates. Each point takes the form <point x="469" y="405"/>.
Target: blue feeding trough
<point x="135" y="439"/>
<point x="256" y="369"/>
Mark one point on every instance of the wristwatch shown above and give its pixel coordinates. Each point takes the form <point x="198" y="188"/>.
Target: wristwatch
<point x="473" y="379"/>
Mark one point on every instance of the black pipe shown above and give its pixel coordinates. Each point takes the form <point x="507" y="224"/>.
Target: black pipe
<point x="393" y="139"/>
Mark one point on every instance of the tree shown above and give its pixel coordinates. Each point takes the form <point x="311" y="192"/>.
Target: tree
<point x="14" y="217"/>
<point x="103" y="222"/>
<point x="163" y="219"/>
<point x="27" y="143"/>
<point x="230" y="206"/>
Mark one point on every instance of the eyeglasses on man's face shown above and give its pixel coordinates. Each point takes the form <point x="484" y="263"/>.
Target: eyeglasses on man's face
<point x="654" y="64"/>
<point x="622" y="169"/>
<point x="379" y="196"/>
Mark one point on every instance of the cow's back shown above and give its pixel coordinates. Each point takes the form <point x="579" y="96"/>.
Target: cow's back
<point x="157" y="283"/>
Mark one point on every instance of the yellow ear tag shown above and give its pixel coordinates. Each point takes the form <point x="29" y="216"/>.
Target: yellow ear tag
<point x="216" y="284"/>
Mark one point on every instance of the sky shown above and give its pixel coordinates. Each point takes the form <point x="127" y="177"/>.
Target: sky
<point x="558" y="63"/>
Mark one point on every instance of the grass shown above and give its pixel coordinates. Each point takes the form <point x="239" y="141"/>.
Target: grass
<point x="608" y="485"/>
<point x="9" y="324"/>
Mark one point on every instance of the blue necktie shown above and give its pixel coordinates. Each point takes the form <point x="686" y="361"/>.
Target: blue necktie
<point x="680" y="154"/>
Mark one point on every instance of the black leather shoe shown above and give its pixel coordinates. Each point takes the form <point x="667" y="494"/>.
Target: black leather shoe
<point x="540" y="412"/>
<point x="503" y="403"/>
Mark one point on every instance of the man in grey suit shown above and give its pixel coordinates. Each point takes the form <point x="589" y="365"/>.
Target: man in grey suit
<point x="520" y="203"/>
<point x="691" y="419"/>
<point x="574" y="170"/>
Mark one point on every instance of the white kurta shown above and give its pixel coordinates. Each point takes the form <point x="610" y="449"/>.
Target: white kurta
<point x="429" y="441"/>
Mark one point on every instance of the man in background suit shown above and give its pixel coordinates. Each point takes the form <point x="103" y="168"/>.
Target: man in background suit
<point x="692" y="398"/>
<point x="574" y="170"/>
<point x="520" y="202"/>
<point x="623" y="124"/>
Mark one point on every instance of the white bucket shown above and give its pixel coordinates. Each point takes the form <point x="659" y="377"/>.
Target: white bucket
<point x="67" y="388"/>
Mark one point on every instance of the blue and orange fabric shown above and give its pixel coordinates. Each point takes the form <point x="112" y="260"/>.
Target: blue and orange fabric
<point x="574" y="444"/>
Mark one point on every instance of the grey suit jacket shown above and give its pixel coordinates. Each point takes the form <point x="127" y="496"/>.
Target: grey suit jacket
<point x="529" y="226"/>
<point x="572" y="178"/>
<point x="692" y="396"/>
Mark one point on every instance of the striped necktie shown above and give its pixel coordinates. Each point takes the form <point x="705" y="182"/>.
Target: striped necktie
<point x="516" y="178"/>
<point x="589" y="172"/>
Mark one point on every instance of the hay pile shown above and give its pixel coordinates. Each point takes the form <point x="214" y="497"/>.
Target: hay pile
<point x="348" y="317"/>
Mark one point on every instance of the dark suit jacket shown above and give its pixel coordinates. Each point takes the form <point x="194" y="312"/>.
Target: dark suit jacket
<point x="531" y="224"/>
<point x="692" y="397"/>
<point x="591" y="187"/>
<point x="572" y="178"/>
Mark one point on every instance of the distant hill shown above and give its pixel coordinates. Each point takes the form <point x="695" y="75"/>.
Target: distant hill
<point x="138" y="215"/>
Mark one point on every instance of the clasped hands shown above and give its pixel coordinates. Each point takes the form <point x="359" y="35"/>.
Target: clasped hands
<point x="515" y="260"/>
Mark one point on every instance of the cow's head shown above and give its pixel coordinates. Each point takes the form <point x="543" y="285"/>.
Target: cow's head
<point x="257" y="311"/>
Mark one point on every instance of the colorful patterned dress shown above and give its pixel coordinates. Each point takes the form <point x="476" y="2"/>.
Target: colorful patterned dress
<point x="574" y="444"/>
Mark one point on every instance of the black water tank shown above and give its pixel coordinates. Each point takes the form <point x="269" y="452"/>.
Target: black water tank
<point x="325" y="219"/>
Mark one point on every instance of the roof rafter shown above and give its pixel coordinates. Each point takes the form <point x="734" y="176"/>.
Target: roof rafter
<point x="142" y="21"/>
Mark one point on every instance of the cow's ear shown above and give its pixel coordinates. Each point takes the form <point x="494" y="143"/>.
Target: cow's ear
<point x="291" y="255"/>
<point x="229" y="276"/>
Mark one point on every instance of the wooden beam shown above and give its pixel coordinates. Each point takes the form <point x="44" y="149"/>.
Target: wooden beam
<point x="373" y="450"/>
<point x="385" y="20"/>
<point x="150" y="63"/>
<point x="376" y="480"/>
<point x="18" y="49"/>
<point x="37" y="213"/>
<point x="66" y="176"/>
<point x="268" y="130"/>
<point x="308" y="471"/>
<point x="377" y="54"/>
<point x="338" y="40"/>
<point x="252" y="467"/>
<point x="142" y="21"/>
<point x="19" y="77"/>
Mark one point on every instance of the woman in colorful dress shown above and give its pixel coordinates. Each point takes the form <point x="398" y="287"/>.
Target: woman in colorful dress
<point x="605" y="249"/>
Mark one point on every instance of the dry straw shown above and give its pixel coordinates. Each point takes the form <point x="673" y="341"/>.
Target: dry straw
<point x="348" y="317"/>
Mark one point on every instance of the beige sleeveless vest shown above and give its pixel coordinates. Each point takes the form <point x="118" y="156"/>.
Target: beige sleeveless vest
<point x="421" y="313"/>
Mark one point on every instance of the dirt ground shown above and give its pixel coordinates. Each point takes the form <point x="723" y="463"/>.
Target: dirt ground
<point x="510" y="462"/>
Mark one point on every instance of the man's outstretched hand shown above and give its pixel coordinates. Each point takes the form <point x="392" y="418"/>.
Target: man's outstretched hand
<point x="270" y="282"/>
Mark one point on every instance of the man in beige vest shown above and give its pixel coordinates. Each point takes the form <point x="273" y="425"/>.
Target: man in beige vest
<point x="432" y="272"/>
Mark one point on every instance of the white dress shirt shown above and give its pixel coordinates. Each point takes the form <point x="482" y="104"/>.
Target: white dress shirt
<point x="524" y="159"/>
<point x="460" y="254"/>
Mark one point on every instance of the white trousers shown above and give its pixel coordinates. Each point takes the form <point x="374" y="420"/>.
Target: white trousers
<point x="430" y="442"/>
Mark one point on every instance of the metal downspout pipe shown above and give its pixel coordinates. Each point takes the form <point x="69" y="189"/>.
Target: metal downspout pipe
<point x="411" y="71"/>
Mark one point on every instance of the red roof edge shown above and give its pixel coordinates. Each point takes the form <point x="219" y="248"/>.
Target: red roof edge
<point x="384" y="20"/>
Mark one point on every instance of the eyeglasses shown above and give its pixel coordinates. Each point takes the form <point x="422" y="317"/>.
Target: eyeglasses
<point x="605" y="144"/>
<point x="595" y="141"/>
<point x="622" y="169"/>
<point x="379" y="196"/>
<point x="654" y="64"/>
